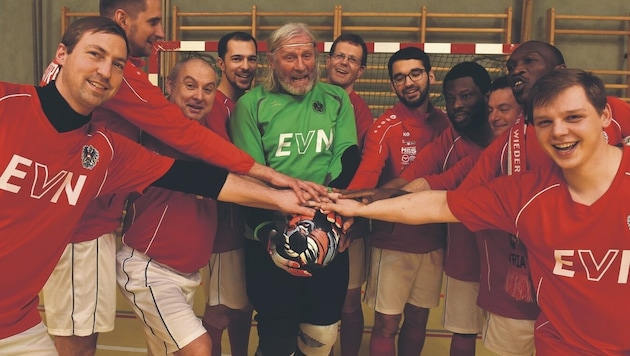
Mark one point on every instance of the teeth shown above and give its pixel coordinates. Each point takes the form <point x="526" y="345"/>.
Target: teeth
<point x="564" y="146"/>
<point x="97" y="85"/>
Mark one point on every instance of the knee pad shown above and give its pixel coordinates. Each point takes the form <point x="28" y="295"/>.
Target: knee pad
<point x="317" y="340"/>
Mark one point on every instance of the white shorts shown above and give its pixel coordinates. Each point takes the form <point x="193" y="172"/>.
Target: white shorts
<point x="356" y="253"/>
<point x="80" y="295"/>
<point x="162" y="299"/>
<point x="32" y="342"/>
<point x="461" y="313"/>
<point x="396" y="278"/>
<point x="507" y="336"/>
<point x="223" y="280"/>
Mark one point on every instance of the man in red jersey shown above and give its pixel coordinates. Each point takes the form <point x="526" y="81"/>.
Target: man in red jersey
<point x="405" y="273"/>
<point x="55" y="162"/>
<point x="223" y="279"/>
<point x="464" y="88"/>
<point x="571" y="215"/>
<point x="345" y="64"/>
<point x="158" y="263"/>
<point x="79" y="314"/>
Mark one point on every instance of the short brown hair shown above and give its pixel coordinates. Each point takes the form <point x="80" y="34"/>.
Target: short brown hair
<point x="93" y="24"/>
<point x="548" y="87"/>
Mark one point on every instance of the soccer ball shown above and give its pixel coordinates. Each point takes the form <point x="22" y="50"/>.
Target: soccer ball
<point x="312" y="242"/>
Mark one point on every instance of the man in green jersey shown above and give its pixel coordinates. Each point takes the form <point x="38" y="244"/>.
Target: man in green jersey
<point x="306" y="129"/>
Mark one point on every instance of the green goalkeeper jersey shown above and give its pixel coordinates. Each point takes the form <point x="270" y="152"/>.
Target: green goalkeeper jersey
<point x="301" y="136"/>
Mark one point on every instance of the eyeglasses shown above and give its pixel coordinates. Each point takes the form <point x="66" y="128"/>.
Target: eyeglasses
<point x="341" y="56"/>
<point x="414" y="75"/>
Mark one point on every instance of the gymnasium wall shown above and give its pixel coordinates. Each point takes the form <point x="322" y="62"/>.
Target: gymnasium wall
<point x="30" y="29"/>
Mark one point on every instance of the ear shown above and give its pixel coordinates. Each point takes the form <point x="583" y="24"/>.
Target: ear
<point x="606" y="116"/>
<point x="221" y="64"/>
<point x="431" y="77"/>
<point x="361" y="70"/>
<point x="270" y="60"/>
<point x="121" y="18"/>
<point x="169" y="84"/>
<point x="61" y="54"/>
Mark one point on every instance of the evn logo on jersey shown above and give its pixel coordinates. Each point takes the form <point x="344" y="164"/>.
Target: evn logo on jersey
<point x="20" y="168"/>
<point x="289" y="142"/>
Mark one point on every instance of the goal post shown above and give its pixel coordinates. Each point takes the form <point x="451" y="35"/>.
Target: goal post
<point x="374" y="86"/>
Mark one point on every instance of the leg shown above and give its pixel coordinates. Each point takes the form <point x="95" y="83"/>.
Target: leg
<point x="351" y="323"/>
<point x="215" y="319"/>
<point x="382" y="342"/>
<point x="227" y="305"/>
<point x="162" y="300"/>
<point x="352" y="315"/>
<point x="462" y="316"/>
<point x="76" y="345"/>
<point x="80" y="295"/>
<point x="274" y="295"/>
<point x="413" y="330"/>
<point x="321" y="302"/>
<point x="238" y="331"/>
<point x="201" y="346"/>
<point x="317" y="340"/>
<point x="32" y="342"/>
<point x="463" y="344"/>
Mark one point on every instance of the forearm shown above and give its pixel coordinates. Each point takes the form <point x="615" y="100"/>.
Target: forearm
<point x="261" y="172"/>
<point x="412" y="209"/>
<point x="416" y="185"/>
<point x="396" y="183"/>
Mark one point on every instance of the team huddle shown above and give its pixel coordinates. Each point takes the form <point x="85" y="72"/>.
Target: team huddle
<point x="288" y="199"/>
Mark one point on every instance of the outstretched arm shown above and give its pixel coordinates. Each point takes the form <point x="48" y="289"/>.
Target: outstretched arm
<point x="412" y="209"/>
<point x="198" y="178"/>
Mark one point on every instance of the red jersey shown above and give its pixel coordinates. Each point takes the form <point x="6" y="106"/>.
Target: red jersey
<point x="154" y="222"/>
<point x="47" y="178"/>
<point x="579" y="255"/>
<point x="140" y="103"/>
<point x="461" y="258"/>
<point x="362" y="116"/>
<point x="391" y="144"/>
<point x="231" y="225"/>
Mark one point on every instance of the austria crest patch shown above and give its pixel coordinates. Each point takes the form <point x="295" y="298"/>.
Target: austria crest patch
<point x="89" y="157"/>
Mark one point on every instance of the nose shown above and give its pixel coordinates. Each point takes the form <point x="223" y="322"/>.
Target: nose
<point x="559" y="128"/>
<point x="159" y="31"/>
<point x="300" y="64"/>
<point x="105" y="69"/>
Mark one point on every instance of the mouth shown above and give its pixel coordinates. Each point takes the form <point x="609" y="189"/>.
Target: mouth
<point x="97" y="85"/>
<point x="341" y="71"/>
<point x="411" y="90"/>
<point x="460" y="116"/>
<point x="245" y="75"/>
<point x="300" y="78"/>
<point x="565" y="147"/>
<point x="195" y="107"/>
<point x="518" y="84"/>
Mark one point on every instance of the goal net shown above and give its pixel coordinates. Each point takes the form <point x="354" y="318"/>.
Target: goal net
<point x="374" y="86"/>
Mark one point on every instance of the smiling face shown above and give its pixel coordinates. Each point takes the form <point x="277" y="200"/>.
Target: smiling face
<point x="344" y="65"/>
<point x="143" y="30"/>
<point x="294" y="64"/>
<point x="569" y="128"/>
<point x="503" y="110"/>
<point x="465" y="104"/>
<point x="412" y="93"/>
<point x="193" y="88"/>
<point x="239" y="65"/>
<point x="526" y="64"/>
<point x="93" y="72"/>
